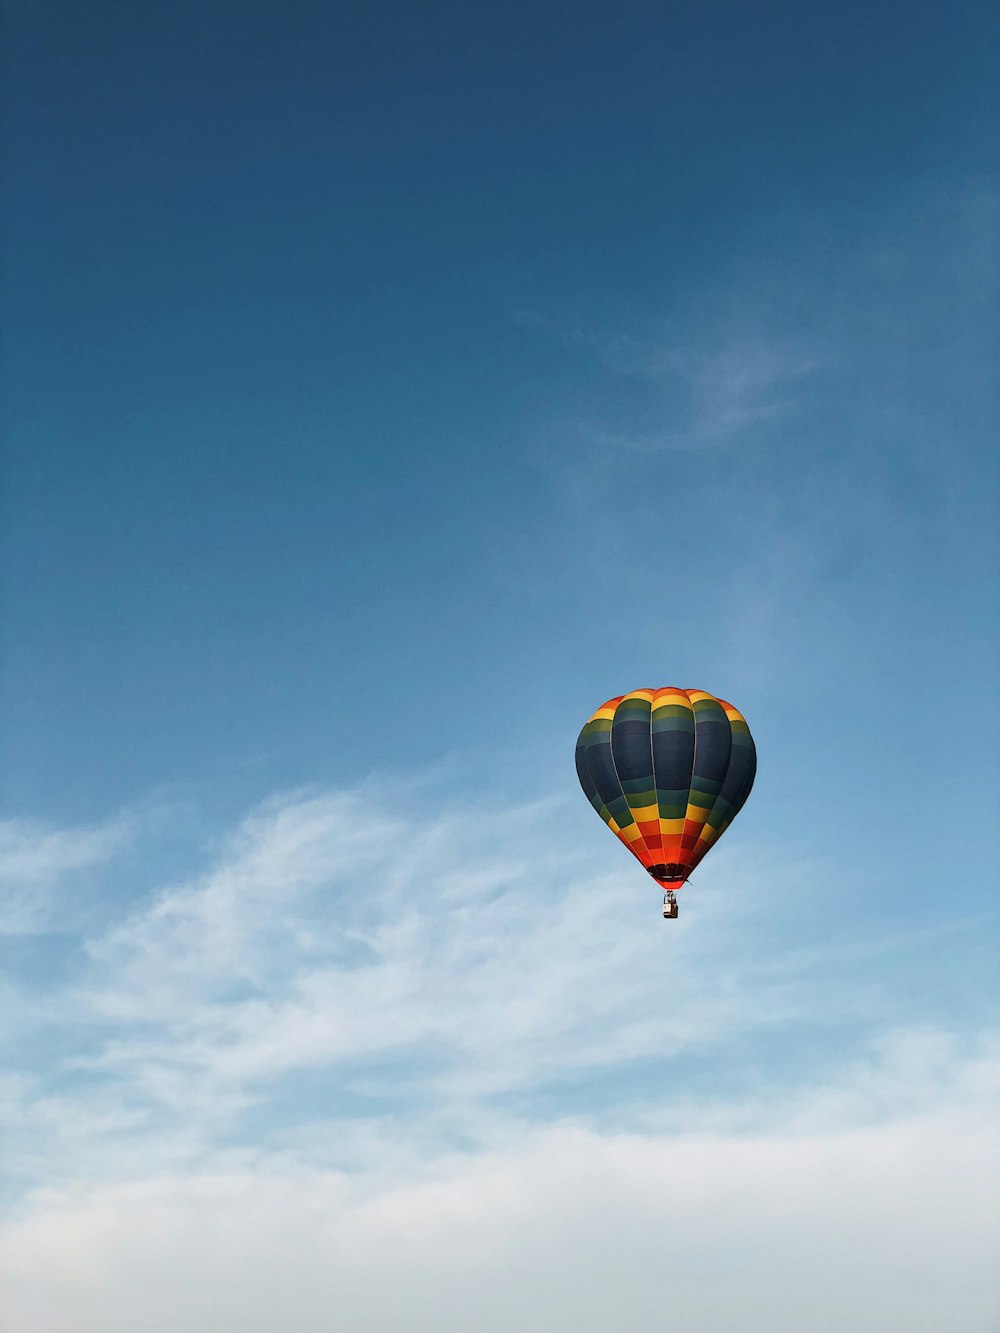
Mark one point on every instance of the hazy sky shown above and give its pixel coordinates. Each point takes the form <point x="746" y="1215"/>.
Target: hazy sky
<point x="384" y="387"/>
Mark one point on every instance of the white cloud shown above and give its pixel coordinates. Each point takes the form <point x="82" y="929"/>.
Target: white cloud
<point x="864" y="1221"/>
<point x="466" y="969"/>
<point x="36" y="861"/>
<point x="327" y="1081"/>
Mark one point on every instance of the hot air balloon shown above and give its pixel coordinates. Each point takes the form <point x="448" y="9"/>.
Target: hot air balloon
<point x="667" y="770"/>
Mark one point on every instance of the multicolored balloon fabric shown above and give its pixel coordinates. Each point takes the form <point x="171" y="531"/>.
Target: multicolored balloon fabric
<point x="667" y="770"/>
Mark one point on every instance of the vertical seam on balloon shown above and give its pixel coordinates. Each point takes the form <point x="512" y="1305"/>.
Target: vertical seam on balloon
<point x="657" y="859"/>
<point x="614" y="765"/>
<point x="656" y="790"/>
<point x="611" y="751"/>
<point x="610" y="821"/>
<point x="619" y="829"/>
<point x="718" y="794"/>
<point x="747" y="787"/>
<point x="694" y="761"/>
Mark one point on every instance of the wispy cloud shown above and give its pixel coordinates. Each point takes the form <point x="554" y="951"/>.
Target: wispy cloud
<point x="464" y="961"/>
<point x="37" y="863"/>
<point x="709" y="394"/>
<point x="701" y="387"/>
<point x="419" y="959"/>
<point x="839" y="330"/>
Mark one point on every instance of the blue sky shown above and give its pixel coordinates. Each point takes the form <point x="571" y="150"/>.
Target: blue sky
<point x="383" y="389"/>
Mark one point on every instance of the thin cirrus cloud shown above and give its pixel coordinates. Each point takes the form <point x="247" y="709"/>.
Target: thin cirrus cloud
<point x="708" y="395"/>
<point x="36" y="863"/>
<point x="829" y="334"/>
<point x="700" y="387"/>
<point x="311" y="942"/>
<point x="480" y="967"/>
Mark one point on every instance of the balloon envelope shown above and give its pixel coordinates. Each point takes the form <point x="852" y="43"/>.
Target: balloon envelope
<point x="667" y="770"/>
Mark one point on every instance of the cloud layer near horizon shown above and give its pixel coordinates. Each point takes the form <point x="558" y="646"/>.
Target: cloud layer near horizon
<point x="882" y="1225"/>
<point x="367" y="1061"/>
